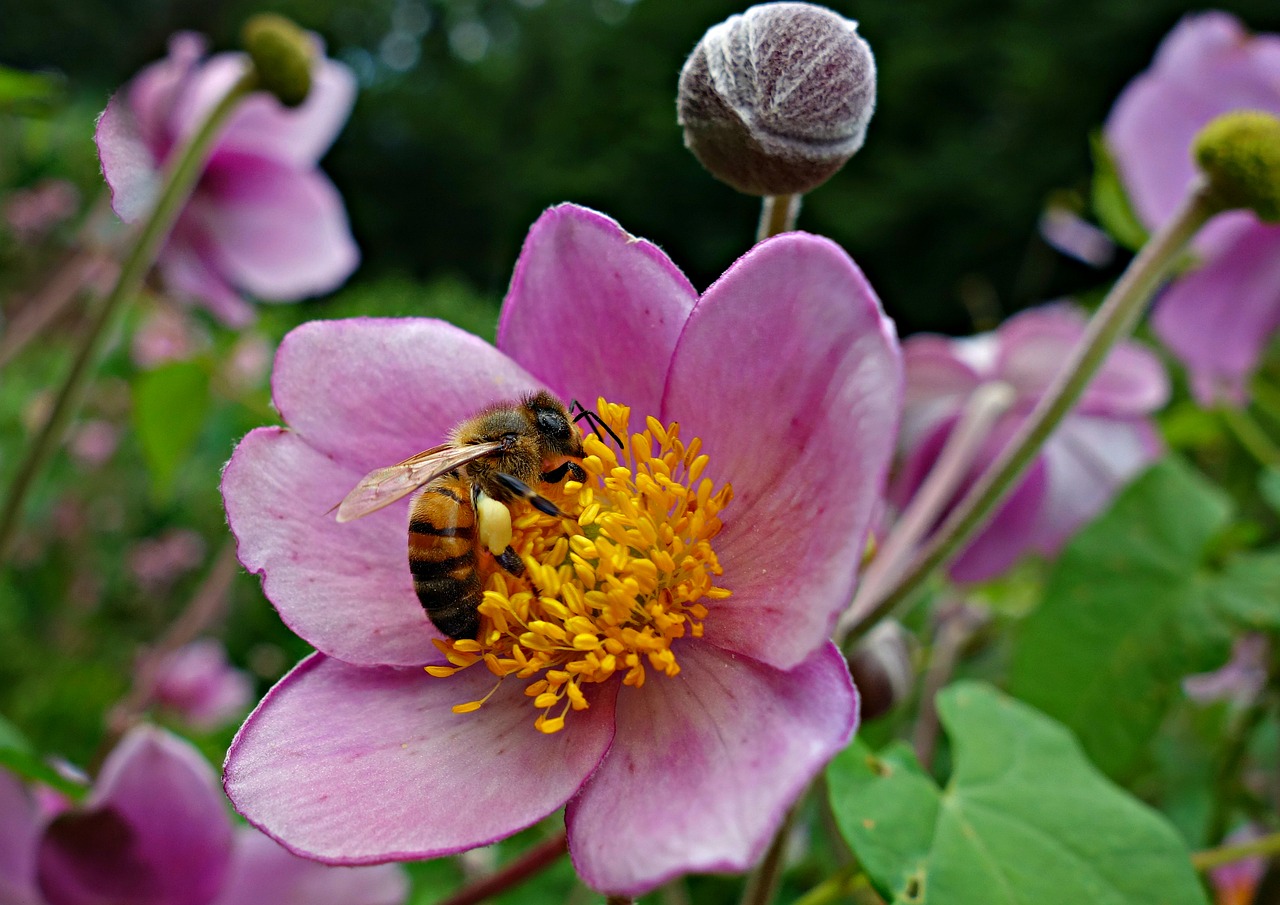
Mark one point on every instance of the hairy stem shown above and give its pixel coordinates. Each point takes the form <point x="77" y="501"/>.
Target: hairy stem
<point x="180" y="180"/>
<point x="1226" y="854"/>
<point x="778" y="214"/>
<point x="1113" y="321"/>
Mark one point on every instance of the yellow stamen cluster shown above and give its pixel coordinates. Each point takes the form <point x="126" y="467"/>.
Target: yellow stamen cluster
<point x="607" y="590"/>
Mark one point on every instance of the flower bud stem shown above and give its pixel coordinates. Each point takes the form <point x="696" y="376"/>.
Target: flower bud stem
<point x="778" y="214"/>
<point x="1228" y="854"/>
<point x="1113" y="321"/>
<point x="180" y="180"/>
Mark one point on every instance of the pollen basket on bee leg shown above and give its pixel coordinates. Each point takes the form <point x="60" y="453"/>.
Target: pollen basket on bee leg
<point x="610" y="586"/>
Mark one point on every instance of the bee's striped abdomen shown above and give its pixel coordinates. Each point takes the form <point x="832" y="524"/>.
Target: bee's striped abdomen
<point x="442" y="556"/>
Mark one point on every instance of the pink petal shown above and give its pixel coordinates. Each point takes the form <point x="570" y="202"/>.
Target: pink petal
<point x="705" y="765"/>
<point x="278" y="232"/>
<point x="1219" y="318"/>
<point x="20" y="826"/>
<point x="154" y="92"/>
<point x="155" y="830"/>
<point x="1207" y="66"/>
<point x="594" y="311"/>
<point x="190" y="271"/>
<point x="198" y="685"/>
<point x="791" y="375"/>
<point x="299" y="135"/>
<point x="938" y="382"/>
<point x="1088" y="460"/>
<point x="263" y="872"/>
<point x="371" y="392"/>
<point x="1035" y="344"/>
<point x="128" y="164"/>
<point x="333" y="742"/>
<point x="344" y="588"/>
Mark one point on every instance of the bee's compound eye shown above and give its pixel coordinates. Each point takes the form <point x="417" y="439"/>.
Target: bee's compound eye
<point x="553" y="424"/>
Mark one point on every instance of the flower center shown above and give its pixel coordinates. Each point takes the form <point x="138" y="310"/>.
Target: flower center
<point x="608" y="589"/>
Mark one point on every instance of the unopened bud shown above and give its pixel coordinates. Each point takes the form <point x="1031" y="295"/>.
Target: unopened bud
<point x="775" y="100"/>
<point x="881" y="669"/>
<point x="1240" y="154"/>
<point x="283" y="54"/>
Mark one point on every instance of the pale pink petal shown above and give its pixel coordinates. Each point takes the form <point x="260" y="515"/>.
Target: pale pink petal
<point x="154" y="831"/>
<point x="790" y="374"/>
<point x="344" y="588"/>
<point x="190" y="271"/>
<point x="705" y="766"/>
<point x="1218" y="319"/>
<point x="153" y="93"/>
<point x="1088" y="460"/>
<point x="20" y="826"/>
<point x="128" y="164"/>
<point x="362" y="765"/>
<point x="1035" y="344"/>
<point x="278" y="232"/>
<point x="594" y="311"/>
<point x="938" y="382"/>
<point x="298" y="135"/>
<point x="370" y="392"/>
<point x="1208" y="65"/>
<point x="198" y="685"/>
<point x="264" y="873"/>
<point x="207" y="85"/>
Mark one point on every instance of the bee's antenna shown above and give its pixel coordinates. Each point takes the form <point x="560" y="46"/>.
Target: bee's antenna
<point x="592" y="419"/>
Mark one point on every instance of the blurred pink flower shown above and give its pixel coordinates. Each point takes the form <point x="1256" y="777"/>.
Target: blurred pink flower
<point x="263" y="219"/>
<point x="154" y="830"/>
<point x="198" y="685"/>
<point x="31" y="213"/>
<point x="167" y="333"/>
<point x="1236" y="883"/>
<point x="787" y="371"/>
<point x="159" y="561"/>
<point x="1219" y="317"/>
<point x="1240" y="680"/>
<point x="94" y="442"/>
<point x="1105" y="441"/>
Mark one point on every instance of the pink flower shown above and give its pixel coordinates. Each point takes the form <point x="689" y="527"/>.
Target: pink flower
<point x="196" y="684"/>
<point x="786" y="371"/>
<point x="263" y="219"/>
<point x="154" y="830"/>
<point x="1106" y="440"/>
<point x="1218" y="318"/>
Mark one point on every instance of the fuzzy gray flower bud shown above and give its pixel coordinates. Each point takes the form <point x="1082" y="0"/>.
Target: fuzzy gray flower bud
<point x="775" y="100"/>
<point x="881" y="669"/>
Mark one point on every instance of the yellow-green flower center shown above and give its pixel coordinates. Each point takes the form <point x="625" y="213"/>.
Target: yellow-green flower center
<point x="607" y="590"/>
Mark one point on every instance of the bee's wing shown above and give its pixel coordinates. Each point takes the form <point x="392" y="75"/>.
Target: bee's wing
<point x="384" y="486"/>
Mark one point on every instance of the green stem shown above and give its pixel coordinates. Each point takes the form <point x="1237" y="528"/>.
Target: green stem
<point x="778" y="214"/>
<point x="180" y="181"/>
<point x="835" y="887"/>
<point x="1114" y="320"/>
<point x="1252" y="437"/>
<point x="763" y="882"/>
<point x="1216" y="857"/>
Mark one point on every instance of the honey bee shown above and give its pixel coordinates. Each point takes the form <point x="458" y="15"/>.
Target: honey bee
<point x="490" y="460"/>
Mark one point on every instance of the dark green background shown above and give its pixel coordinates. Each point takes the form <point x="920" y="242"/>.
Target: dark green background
<point x="984" y="108"/>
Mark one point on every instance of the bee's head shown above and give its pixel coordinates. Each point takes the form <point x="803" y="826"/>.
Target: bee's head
<point x="556" y="432"/>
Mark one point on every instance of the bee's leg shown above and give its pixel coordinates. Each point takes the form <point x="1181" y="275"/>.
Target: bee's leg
<point x="525" y="492"/>
<point x="511" y="561"/>
<point x="570" y="468"/>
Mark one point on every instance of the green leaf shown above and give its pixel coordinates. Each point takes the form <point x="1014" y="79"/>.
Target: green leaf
<point x="169" y="409"/>
<point x="1111" y="202"/>
<point x="30" y="93"/>
<point x="1126" y="613"/>
<point x="18" y="757"/>
<point x="1025" y="819"/>
<point x="1248" y="591"/>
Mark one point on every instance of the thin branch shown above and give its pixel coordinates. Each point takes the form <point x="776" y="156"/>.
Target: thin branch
<point x="536" y="859"/>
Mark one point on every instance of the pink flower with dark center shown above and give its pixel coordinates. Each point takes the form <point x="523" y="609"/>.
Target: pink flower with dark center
<point x="198" y="685"/>
<point x="1104" y="442"/>
<point x="263" y="219"/>
<point x="155" y="830"/>
<point x="1219" y="317"/>
<point x="699" y="693"/>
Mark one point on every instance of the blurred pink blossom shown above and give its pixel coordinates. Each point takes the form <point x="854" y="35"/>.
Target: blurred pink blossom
<point x="263" y="219"/>
<point x="94" y="442"/>
<point x="1240" y="680"/>
<point x="165" y="334"/>
<point x="1237" y="882"/>
<point x="1219" y="317"/>
<point x="158" y="562"/>
<point x="1105" y="441"/>
<point x="196" y="684"/>
<point x="31" y="213"/>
